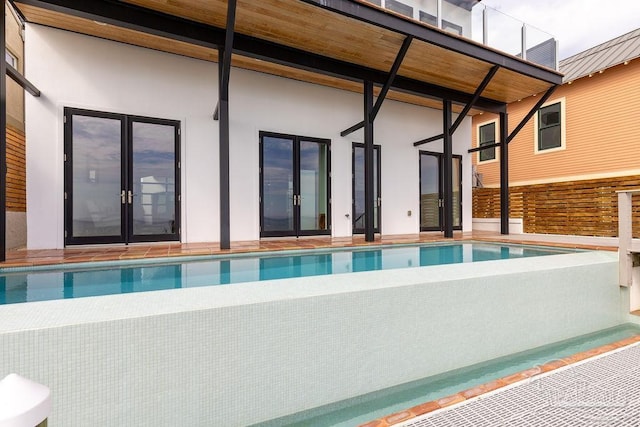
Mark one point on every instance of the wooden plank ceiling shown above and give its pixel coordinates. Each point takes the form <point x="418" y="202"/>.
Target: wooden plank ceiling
<point x="307" y="27"/>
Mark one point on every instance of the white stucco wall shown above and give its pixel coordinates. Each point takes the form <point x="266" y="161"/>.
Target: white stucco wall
<point x="73" y="70"/>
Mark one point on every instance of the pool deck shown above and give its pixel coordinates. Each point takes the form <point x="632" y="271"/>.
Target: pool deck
<point x="598" y="391"/>
<point x="26" y="258"/>
<point x="414" y="416"/>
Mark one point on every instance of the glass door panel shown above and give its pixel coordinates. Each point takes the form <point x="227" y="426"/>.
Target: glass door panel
<point x="457" y="192"/>
<point x="358" y="188"/>
<point x="278" y="190"/>
<point x="153" y="179"/>
<point x="432" y="192"/>
<point x="294" y="185"/>
<point x="121" y="178"/>
<point x="94" y="192"/>
<point x="430" y="196"/>
<point x="313" y="186"/>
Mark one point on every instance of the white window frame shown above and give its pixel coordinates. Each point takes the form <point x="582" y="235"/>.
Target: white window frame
<point x="563" y="128"/>
<point x="11" y="59"/>
<point x="495" y="138"/>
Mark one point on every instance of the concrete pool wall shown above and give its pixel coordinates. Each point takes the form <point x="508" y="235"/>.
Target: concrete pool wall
<point x="240" y="354"/>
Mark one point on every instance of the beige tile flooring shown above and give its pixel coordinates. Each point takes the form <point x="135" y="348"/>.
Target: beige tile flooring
<point x="26" y="258"/>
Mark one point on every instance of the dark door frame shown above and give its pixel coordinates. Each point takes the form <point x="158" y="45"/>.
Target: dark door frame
<point x="297" y="231"/>
<point x="377" y="200"/>
<point x="440" y="158"/>
<point x="126" y="172"/>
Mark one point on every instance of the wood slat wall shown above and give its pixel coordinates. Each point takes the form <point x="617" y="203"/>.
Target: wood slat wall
<point x="16" y="171"/>
<point x="584" y="208"/>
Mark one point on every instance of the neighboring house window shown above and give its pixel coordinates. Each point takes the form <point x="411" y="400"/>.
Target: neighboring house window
<point x="550" y="127"/>
<point x="11" y="59"/>
<point x="487" y="136"/>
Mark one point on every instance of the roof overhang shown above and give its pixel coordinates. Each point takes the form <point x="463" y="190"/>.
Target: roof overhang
<point x="338" y="43"/>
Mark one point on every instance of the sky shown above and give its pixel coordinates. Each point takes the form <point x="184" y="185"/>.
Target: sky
<point x="577" y="24"/>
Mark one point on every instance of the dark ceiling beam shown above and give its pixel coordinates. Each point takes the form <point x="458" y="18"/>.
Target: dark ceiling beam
<point x="484" y="147"/>
<point x="483" y="85"/>
<point x="272" y="52"/>
<point x="385" y="89"/>
<point x="22" y="81"/>
<point x="392" y="75"/>
<point x="228" y="48"/>
<point x="145" y="20"/>
<point x="531" y="112"/>
<point x="428" y="140"/>
<point x="136" y="18"/>
<point x="432" y="35"/>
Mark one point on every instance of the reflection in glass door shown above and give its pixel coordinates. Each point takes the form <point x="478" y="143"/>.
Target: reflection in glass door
<point x="432" y="193"/>
<point x="153" y="179"/>
<point x="93" y="199"/>
<point x="278" y="197"/>
<point x="358" y="188"/>
<point x="121" y="178"/>
<point x="294" y="185"/>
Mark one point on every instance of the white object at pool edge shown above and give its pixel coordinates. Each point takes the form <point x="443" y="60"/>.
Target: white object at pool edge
<point x="23" y="403"/>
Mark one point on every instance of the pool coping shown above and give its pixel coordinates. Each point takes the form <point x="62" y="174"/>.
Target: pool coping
<point x="495" y="385"/>
<point x="78" y="254"/>
<point x="174" y="259"/>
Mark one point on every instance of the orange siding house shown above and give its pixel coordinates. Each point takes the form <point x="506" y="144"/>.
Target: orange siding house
<point x="586" y="137"/>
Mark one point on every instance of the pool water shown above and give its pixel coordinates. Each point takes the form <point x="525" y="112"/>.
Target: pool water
<point x="92" y="279"/>
<point x="360" y="410"/>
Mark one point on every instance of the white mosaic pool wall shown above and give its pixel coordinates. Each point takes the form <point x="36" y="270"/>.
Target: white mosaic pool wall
<point x="240" y="354"/>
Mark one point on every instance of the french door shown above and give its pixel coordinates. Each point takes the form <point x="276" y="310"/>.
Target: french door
<point x="432" y="192"/>
<point x="122" y="180"/>
<point x="294" y="185"/>
<point x="358" y="188"/>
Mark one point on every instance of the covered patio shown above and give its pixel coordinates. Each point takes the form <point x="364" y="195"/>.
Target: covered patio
<point x="322" y="42"/>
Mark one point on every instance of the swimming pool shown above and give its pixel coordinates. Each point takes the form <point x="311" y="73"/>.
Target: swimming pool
<point x="261" y="350"/>
<point x="19" y="285"/>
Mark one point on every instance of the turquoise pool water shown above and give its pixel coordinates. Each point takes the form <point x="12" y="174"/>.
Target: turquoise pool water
<point x="93" y="279"/>
<point x="369" y="407"/>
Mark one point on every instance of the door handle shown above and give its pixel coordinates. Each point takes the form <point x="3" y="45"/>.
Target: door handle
<point x="379" y="201"/>
<point x="130" y="197"/>
<point x="123" y="197"/>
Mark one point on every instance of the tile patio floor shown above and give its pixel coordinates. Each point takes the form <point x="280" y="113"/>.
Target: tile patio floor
<point x="26" y="258"/>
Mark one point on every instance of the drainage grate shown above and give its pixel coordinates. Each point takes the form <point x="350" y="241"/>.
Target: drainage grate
<point x="598" y="392"/>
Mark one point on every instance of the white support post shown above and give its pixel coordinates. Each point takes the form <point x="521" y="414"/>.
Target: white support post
<point x="624" y="237"/>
